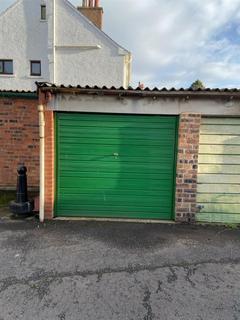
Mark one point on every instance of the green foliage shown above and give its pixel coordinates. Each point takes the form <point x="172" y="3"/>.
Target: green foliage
<point x="232" y="226"/>
<point x="6" y="196"/>
<point x="197" y="85"/>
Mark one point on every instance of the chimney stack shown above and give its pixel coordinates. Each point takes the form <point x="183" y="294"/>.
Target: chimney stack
<point x="92" y="10"/>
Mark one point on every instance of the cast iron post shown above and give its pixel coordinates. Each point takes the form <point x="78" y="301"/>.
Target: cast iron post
<point x="22" y="206"/>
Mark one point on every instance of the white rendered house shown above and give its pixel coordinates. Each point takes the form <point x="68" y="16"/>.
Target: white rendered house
<point x="51" y="40"/>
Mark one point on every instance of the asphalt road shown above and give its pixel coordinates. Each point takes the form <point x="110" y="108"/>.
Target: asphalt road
<point x="109" y="271"/>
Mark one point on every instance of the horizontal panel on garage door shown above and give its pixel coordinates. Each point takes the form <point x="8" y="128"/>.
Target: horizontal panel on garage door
<point x="219" y="170"/>
<point x="117" y="166"/>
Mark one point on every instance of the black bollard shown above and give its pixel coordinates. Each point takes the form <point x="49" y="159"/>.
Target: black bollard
<point x="22" y="206"/>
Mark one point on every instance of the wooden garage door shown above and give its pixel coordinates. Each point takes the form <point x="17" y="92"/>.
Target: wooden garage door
<point x="117" y="166"/>
<point x="219" y="170"/>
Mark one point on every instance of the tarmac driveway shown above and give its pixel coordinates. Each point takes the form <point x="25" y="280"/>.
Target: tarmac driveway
<point x="99" y="270"/>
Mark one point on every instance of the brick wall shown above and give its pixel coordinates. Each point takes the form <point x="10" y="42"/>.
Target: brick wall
<point x="49" y="164"/>
<point x="94" y="14"/>
<point x="19" y="140"/>
<point x="187" y="167"/>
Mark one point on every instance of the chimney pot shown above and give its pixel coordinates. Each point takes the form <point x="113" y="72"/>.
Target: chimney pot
<point x="97" y="3"/>
<point x="91" y="3"/>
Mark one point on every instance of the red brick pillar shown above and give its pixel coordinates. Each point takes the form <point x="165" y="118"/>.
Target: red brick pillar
<point x="187" y="167"/>
<point x="49" y="165"/>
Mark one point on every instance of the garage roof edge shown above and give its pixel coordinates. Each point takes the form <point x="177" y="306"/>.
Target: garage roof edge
<point x="146" y="92"/>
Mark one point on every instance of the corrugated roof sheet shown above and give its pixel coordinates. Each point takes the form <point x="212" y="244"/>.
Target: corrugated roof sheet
<point x="17" y="91"/>
<point x="18" y="94"/>
<point x="45" y="86"/>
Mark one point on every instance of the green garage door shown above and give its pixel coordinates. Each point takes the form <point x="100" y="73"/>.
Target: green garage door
<point x="219" y="170"/>
<point x="115" y="166"/>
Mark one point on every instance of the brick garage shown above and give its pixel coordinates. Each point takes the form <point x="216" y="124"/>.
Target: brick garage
<point x="186" y="167"/>
<point x="19" y="138"/>
<point x="107" y="101"/>
<point x="189" y="107"/>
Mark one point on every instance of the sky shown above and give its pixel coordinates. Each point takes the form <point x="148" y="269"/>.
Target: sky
<point x="175" y="42"/>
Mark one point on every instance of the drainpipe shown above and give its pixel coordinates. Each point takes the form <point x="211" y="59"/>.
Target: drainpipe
<point x="42" y="161"/>
<point x="54" y="41"/>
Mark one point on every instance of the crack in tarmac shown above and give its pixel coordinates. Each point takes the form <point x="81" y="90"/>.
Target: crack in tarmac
<point x="190" y="272"/>
<point x="190" y="268"/>
<point x="147" y="304"/>
<point x="172" y="277"/>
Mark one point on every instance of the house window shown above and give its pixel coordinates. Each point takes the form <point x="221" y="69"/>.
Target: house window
<point x="43" y="12"/>
<point x="35" y="68"/>
<point x="6" y="66"/>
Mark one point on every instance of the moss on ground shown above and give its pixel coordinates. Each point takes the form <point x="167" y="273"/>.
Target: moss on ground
<point x="7" y="196"/>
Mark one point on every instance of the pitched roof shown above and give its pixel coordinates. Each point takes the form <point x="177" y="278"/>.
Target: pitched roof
<point x="9" y="8"/>
<point x="83" y="17"/>
<point x="95" y="27"/>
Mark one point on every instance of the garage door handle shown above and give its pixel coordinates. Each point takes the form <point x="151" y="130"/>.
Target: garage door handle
<point x="115" y="154"/>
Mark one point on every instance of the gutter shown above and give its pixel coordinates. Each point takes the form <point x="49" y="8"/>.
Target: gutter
<point x="42" y="161"/>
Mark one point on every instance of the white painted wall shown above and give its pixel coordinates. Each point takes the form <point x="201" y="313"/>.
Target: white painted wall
<point x="23" y="37"/>
<point x="72" y="50"/>
<point x="135" y="105"/>
<point x="76" y="62"/>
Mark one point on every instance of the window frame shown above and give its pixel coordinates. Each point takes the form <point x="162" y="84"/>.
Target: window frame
<point x="31" y="68"/>
<point x="43" y="12"/>
<point x="3" y="61"/>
